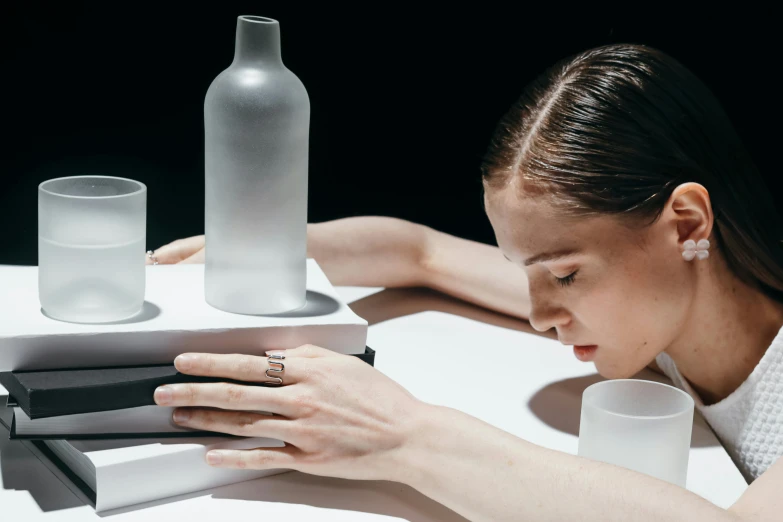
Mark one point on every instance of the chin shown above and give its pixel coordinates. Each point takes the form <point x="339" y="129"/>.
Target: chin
<point x="613" y="371"/>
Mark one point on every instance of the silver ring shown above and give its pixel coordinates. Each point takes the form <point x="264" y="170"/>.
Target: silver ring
<point x="280" y="368"/>
<point x="151" y="256"/>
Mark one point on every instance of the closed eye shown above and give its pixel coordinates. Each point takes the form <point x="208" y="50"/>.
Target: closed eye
<point x="567" y="280"/>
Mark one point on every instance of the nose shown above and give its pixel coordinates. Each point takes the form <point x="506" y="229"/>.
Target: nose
<point x="544" y="313"/>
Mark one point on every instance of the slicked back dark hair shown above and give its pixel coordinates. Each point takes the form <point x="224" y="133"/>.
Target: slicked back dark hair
<point x="614" y="130"/>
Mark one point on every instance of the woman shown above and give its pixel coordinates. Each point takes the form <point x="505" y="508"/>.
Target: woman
<point x="602" y="184"/>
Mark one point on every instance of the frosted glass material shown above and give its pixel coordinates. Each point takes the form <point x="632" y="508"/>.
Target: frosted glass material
<point x="256" y="131"/>
<point x="641" y="425"/>
<point x="91" y="238"/>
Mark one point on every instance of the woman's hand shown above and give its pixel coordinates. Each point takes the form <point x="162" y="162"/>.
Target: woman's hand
<point x="186" y="250"/>
<point x="338" y="415"/>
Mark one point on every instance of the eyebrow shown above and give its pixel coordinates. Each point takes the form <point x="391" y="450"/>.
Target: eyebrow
<point x="550" y="256"/>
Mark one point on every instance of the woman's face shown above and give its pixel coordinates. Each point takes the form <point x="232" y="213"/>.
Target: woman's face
<point x="624" y="291"/>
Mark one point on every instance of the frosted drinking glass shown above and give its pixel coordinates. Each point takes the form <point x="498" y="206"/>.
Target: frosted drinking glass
<point x="91" y="239"/>
<point x="641" y="425"/>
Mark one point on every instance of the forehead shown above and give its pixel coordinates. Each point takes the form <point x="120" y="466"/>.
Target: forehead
<point x="526" y="226"/>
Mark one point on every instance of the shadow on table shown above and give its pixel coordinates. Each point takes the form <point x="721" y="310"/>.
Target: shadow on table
<point x="21" y="471"/>
<point x="399" y="302"/>
<point x="375" y="497"/>
<point x="316" y="305"/>
<point x="559" y="405"/>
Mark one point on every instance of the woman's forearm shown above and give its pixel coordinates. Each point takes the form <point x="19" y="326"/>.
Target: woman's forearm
<point x="390" y="252"/>
<point x="475" y="272"/>
<point x="486" y="474"/>
<point x="369" y="251"/>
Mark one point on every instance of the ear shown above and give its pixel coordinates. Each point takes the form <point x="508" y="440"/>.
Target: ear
<point x="690" y="209"/>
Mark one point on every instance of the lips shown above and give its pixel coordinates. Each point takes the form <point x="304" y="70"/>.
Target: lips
<point x="585" y="353"/>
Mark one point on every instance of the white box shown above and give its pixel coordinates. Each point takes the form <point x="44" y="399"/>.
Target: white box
<point x="176" y="319"/>
<point x="120" y="471"/>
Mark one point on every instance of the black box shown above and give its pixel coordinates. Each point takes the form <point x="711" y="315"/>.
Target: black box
<point x="51" y="393"/>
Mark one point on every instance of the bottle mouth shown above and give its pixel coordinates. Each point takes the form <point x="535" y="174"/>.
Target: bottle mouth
<point x="257" y="19"/>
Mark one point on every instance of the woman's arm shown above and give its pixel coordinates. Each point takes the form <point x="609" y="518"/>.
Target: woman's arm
<point x="484" y="473"/>
<point x="332" y="426"/>
<point x="475" y="272"/>
<point x="369" y="251"/>
<point x="390" y="252"/>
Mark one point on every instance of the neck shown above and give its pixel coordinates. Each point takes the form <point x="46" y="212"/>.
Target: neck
<point x="730" y="327"/>
<point x="258" y="40"/>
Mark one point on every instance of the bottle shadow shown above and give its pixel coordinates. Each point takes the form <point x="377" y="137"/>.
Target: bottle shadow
<point x="316" y="305"/>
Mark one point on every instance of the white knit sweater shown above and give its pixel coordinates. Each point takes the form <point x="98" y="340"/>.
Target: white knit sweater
<point x="749" y="422"/>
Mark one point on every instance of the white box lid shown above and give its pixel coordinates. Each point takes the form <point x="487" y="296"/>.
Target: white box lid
<point x="176" y="318"/>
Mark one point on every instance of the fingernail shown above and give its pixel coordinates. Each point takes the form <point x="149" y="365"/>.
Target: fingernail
<point x="274" y="352"/>
<point x="214" y="458"/>
<point x="163" y="395"/>
<point x="181" y="415"/>
<point x="185" y="361"/>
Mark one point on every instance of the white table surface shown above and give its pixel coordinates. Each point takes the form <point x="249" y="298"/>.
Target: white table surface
<point x="433" y="345"/>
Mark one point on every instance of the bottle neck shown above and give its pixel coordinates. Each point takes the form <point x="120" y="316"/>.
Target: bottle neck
<point x="258" y="40"/>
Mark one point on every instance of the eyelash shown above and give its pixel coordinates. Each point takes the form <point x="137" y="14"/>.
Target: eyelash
<point x="567" y="280"/>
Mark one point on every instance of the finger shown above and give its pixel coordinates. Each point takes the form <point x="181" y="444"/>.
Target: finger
<point x="197" y="258"/>
<point x="242" y="424"/>
<point x="224" y="395"/>
<point x="305" y="351"/>
<point x="240" y="367"/>
<point x="261" y="458"/>
<point x="178" y="250"/>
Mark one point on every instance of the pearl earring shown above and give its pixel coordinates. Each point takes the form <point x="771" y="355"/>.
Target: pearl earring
<point x="698" y="250"/>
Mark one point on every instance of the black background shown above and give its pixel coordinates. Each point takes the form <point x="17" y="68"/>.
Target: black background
<point x="404" y="100"/>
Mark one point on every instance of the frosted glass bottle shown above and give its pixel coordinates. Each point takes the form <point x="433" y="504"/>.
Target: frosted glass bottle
<point x="256" y="132"/>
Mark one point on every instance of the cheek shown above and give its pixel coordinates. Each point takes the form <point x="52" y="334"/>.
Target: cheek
<point x="639" y="312"/>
